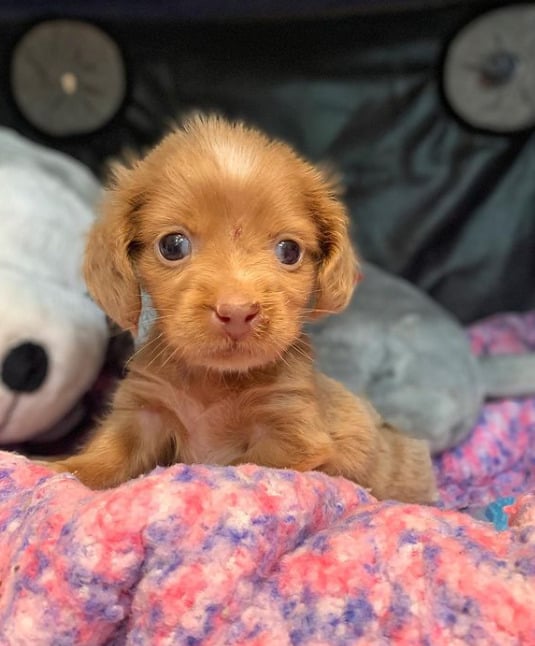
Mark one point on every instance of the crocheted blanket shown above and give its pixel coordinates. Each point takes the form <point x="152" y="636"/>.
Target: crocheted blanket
<point x="209" y="555"/>
<point x="498" y="457"/>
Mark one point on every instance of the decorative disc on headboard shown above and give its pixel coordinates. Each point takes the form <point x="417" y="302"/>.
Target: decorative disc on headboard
<point x="67" y="77"/>
<point x="489" y="70"/>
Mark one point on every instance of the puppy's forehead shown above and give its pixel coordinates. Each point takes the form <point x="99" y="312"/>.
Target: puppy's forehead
<point x="232" y="188"/>
<point x="234" y="160"/>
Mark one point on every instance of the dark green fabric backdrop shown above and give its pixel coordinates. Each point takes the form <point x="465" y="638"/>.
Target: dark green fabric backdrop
<point x="431" y="199"/>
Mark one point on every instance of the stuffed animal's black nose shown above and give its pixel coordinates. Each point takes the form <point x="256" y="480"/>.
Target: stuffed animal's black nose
<point x="24" y="367"/>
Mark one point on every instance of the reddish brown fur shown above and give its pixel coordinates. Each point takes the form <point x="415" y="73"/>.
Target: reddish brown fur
<point x="194" y="395"/>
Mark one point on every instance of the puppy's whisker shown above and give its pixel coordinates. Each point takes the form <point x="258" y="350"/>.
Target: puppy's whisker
<point x="170" y="356"/>
<point x="143" y="348"/>
<point x="176" y="353"/>
<point x="145" y="345"/>
<point x="159" y="350"/>
<point x="300" y="351"/>
<point x="154" y="340"/>
<point x="313" y="310"/>
<point x="169" y="310"/>
<point x="159" y="316"/>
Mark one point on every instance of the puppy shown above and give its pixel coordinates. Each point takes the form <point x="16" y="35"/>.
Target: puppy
<point x="238" y="241"/>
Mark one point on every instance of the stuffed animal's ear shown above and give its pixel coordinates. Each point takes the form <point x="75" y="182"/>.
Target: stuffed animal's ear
<point x="108" y="269"/>
<point x="338" y="270"/>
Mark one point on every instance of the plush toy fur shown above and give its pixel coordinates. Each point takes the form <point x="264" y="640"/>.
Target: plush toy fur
<point x="52" y="336"/>
<point x="412" y="359"/>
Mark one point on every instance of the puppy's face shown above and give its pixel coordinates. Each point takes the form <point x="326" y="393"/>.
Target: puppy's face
<point x="235" y="238"/>
<point x="229" y="265"/>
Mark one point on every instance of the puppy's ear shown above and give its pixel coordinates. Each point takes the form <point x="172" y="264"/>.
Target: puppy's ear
<point x="108" y="269"/>
<point x="338" y="269"/>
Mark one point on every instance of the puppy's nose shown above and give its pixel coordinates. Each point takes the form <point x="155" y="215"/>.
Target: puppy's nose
<point x="236" y="318"/>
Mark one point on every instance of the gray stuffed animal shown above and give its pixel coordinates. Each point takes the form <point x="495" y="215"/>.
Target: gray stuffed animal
<point x="413" y="360"/>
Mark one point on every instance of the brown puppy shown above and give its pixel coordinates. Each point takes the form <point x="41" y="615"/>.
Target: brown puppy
<point x="238" y="241"/>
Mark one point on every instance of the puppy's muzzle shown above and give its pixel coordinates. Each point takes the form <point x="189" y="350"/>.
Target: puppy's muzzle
<point x="235" y="318"/>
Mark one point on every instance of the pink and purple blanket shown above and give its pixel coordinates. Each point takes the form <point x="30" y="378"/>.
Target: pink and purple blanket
<point x="209" y="555"/>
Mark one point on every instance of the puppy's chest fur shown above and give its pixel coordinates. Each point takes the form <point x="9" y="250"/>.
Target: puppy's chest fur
<point x="211" y="423"/>
<point x="216" y="419"/>
<point x="211" y="432"/>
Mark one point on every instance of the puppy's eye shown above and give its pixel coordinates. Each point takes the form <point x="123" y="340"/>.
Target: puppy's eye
<point x="288" y="252"/>
<point x="174" y="246"/>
